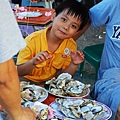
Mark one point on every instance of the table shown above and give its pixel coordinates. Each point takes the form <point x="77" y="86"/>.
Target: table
<point x="50" y="99"/>
<point x="40" y="20"/>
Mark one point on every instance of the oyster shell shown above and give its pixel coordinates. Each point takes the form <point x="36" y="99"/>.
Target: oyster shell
<point x="23" y="84"/>
<point x="64" y="85"/>
<point x="64" y="75"/>
<point x="75" y="109"/>
<point x="44" y="114"/>
<point x="32" y="93"/>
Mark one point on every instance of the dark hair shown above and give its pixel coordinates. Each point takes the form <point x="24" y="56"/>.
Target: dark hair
<point x="75" y="8"/>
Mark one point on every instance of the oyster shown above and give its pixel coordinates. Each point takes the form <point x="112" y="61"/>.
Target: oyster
<point x="75" y="109"/>
<point x="88" y="116"/>
<point x="44" y="114"/>
<point x="64" y="75"/>
<point x="96" y="109"/>
<point x="65" y="86"/>
<point x="23" y="84"/>
<point x="41" y="110"/>
<point x="27" y="95"/>
<point x="32" y="93"/>
<point x="57" y="91"/>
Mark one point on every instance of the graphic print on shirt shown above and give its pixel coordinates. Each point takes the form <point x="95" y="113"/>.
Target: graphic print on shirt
<point x="116" y="32"/>
<point x="66" y="52"/>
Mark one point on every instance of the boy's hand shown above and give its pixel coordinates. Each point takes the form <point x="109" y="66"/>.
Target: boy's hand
<point x="77" y="57"/>
<point x="41" y="57"/>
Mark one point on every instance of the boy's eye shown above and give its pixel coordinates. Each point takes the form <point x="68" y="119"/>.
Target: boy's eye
<point x="63" y="19"/>
<point x="74" y="26"/>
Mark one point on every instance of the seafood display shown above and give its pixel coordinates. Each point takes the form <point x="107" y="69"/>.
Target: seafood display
<point x="79" y="109"/>
<point x="32" y="93"/>
<point x="65" y="86"/>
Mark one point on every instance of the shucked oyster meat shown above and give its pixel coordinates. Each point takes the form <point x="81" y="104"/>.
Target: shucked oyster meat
<point x="64" y="85"/>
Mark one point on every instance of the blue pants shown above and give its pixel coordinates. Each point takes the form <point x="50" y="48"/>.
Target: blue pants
<point x="107" y="90"/>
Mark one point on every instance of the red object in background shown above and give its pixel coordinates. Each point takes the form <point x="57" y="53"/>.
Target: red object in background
<point x="49" y="99"/>
<point x="40" y="20"/>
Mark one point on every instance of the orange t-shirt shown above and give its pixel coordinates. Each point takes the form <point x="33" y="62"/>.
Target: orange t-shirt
<point x="37" y="42"/>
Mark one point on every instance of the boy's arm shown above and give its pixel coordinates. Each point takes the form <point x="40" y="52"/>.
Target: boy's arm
<point x="71" y="69"/>
<point x="10" y="97"/>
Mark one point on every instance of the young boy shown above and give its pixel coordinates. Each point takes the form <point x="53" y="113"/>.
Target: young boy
<point x="53" y="50"/>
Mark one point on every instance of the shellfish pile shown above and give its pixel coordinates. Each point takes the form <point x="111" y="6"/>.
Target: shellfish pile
<point x="64" y="85"/>
<point x="75" y="109"/>
<point x="31" y="92"/>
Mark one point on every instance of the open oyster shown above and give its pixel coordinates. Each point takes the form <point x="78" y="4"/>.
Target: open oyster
<point x="65" y="86"/>
<point x="32" y="93"/>
<point x="85" y="108"/>
<point x="43" y="111"/>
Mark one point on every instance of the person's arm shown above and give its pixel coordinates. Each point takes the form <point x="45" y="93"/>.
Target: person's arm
<point x="10" y="97"/>
<point x="71" y="69"/>
<point x="26" y="68"/>
<point x="81" y="32"/>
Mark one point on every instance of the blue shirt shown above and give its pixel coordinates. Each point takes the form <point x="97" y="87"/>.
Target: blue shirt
<point x="108" y="12"/>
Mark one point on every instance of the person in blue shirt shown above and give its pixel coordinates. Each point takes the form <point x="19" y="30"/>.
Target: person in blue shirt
<point x="107" y="87"/>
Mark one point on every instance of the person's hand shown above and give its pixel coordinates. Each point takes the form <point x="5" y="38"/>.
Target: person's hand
<point x="118" y="113"/>
<point x="26" y="114"/>
<point x="77" y="57"/>
<point x="41" y="57"/>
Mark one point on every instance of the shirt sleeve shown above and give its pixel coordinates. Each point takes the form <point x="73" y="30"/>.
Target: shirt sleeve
<point x="100" y="14"/>
<point x="11" y="40"/>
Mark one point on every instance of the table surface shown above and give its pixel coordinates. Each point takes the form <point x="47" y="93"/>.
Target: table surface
<point x="40" y="20"/>
<point x="51" y="98"/>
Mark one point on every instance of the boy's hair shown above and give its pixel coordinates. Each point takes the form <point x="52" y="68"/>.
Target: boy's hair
<point x="75" y="9"/>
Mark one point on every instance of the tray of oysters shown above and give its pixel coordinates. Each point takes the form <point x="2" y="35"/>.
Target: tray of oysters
<point x="32" y="93"/>
<point x="65" y="86"/>
<point x="80" y="109"/>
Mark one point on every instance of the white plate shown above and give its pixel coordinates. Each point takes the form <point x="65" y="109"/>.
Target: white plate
<point x="29" y="14"/>
<point x="46" y="86"/>
<point x="59" y="115"/>
<point x="40" y="99"/>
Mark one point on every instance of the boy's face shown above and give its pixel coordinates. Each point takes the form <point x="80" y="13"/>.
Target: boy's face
<point x="65" y="26"/>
